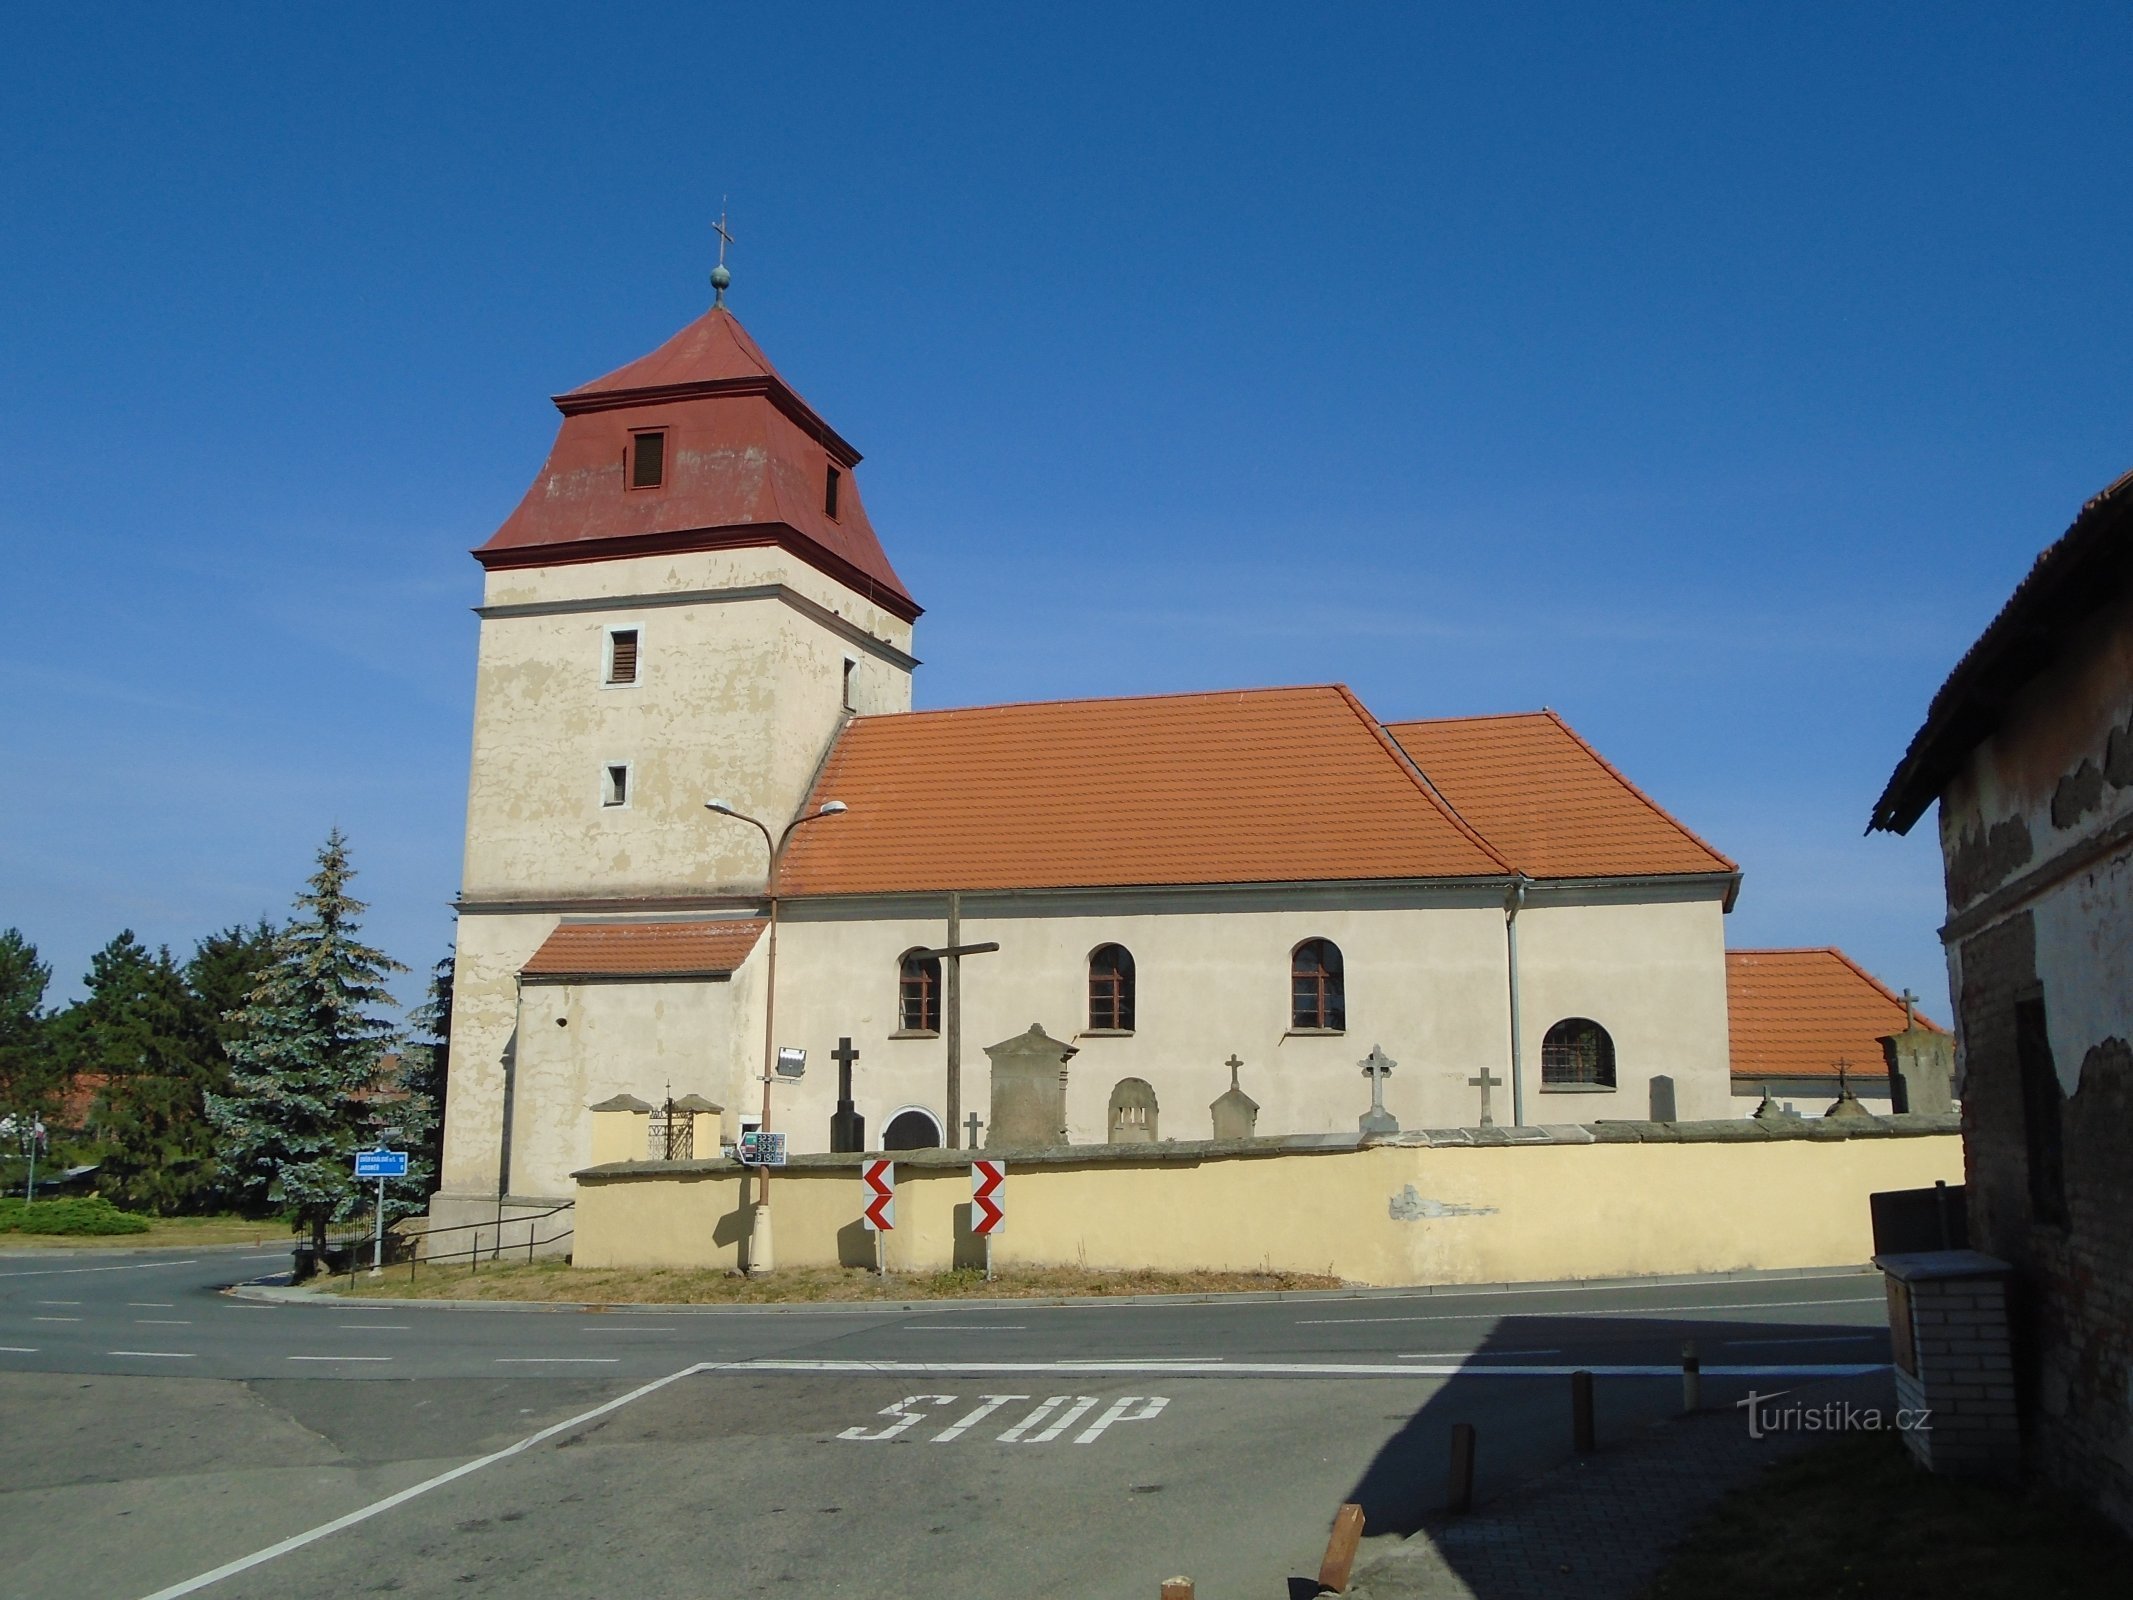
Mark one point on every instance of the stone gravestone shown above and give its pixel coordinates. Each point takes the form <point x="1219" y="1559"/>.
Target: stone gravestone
<point x="1029" y="1083"/>
<point x="1236" y="1113"/>
<point x="1132" y="1112"/>
<point x="1377" y="1120"/>
<point x="1921" y="1069"/>
<point x="1662" y="1098"/>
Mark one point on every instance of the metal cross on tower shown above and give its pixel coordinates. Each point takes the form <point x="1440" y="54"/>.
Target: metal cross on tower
<point x="720" y="277"/>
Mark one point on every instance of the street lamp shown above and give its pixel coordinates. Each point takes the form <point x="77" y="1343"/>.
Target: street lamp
<point x="759" y="1247"/>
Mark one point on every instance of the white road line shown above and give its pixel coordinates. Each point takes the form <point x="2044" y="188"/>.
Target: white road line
<point x="55" y="1319"/>
<point x="337" y="1358"/>
<point x="966" y="1327"/>
<point x="149" y="1305"/>
<point x="1293" y="1369"/>
<point x="59" y="1302"/>
<point x="18" y="1349"/>
<point x="154" y="1355"/>
<point x="625" y="1330"/>
<point x="1840" y="1338"/>
<point x="68" y="1272"/>
<point x="162" y="1322"/>
<point x="567" y="1361"/>
<point x="1454" y="1355"/>
<point x="380" y="1327"/>
<point x="1639" y="1311"/>
<point x="230" y="1569"/>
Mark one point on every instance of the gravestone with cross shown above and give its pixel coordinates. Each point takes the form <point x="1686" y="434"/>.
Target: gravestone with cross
<point x="848" y="1129"/>
<point x="1377" y="1066"/>
<point x="1236" y="1113"/>
<point x="1485" y="1080"/>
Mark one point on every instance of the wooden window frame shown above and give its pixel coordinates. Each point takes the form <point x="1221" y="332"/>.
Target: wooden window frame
<point x="629" y="461"/>
<point x="1563" y="1067"/>
<point x="608" y="680"/>
<point x="833" y="492"/>
<point x="1111" y="993"/>
<point x="1318" y="996"/>
<point x="918" y="978"/>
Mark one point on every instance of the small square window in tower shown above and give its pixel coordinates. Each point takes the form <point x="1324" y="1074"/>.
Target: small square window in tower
<point x="830" y="486"/>
<point x="622" y="655"/>
<point x="615" y="784"/>
<point x="648" y="460"/>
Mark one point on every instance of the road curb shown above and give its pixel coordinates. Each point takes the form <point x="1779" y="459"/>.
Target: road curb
<point x="291" y="1295"/>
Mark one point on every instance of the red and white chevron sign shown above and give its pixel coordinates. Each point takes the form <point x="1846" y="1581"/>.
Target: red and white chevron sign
<point x="988" y="1197"/>
<point x="880" y="1180"/>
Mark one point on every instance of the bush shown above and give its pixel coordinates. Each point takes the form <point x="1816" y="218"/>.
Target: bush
<point x="75" y="1217"/>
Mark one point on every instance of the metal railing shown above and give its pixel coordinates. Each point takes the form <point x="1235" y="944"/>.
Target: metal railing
<point x="422" y="1247"/>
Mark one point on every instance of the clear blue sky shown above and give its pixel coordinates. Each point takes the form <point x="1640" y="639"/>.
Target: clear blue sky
<point x="1708" y="374"/>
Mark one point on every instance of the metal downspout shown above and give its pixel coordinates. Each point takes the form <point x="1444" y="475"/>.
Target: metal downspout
<point x="1516" y="899"/>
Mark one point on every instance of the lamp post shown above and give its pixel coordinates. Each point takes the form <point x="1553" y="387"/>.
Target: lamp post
<point x="760" y="1258"/>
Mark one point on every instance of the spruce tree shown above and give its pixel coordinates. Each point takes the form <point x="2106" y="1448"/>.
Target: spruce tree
<point x="30" y="1073"/>
<point x="425" y="1065"/>
<point x="149" y="1043"/>
<point x="305" y="1061"/>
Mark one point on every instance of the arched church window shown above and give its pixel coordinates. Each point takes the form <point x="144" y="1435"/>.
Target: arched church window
<point x="918" y="991"/>
<point x="913" y="1128"/>
<point x="1111" y="989"/>
<point x="1317" y="993"/>
<point x="1577" y="1053"/>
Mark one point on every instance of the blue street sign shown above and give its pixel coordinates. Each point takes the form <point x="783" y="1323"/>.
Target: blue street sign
<point x="381" y="1163"/>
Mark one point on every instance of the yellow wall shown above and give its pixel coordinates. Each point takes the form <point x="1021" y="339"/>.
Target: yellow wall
<point x="1476" y="1215"/>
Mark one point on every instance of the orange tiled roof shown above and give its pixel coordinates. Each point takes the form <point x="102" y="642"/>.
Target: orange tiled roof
<point x="1797" y="1013"/>
<point x="1250" y="786"/>
<point x="643" y="949"/>
<point x="1548" y="801"/>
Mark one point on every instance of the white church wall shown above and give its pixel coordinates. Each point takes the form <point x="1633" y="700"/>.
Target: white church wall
<point x="734" y="697"/>
<point x="1652" y="973"/>
<point x="488" y="953"/>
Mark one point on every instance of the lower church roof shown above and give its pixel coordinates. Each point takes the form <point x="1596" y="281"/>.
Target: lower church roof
<point x="642" y="950"/>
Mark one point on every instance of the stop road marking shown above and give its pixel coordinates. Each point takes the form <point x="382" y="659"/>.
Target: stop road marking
<point x="1055" y="1416"/>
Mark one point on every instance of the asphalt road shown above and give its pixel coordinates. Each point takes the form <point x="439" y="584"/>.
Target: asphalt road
<point x="160" y="1431"/>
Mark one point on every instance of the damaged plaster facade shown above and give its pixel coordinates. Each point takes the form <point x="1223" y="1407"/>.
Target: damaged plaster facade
<point x="2029" y="750"/>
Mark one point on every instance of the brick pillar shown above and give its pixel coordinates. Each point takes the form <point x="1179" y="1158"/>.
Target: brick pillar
<point x="1954" y="1366"/>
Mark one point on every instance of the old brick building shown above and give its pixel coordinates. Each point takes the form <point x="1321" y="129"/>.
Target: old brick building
<point x="2028" y="748"/>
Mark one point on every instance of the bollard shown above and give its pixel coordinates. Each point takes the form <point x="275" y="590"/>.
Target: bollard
<point x="1691" y="1378"/>
<point x="1460" y="1496"/>
<point x="1177" y="1589"/>
<point x="1340" y="1549"/>
<point x="1584" y="1435"/>
<point x="474" y="1256"/>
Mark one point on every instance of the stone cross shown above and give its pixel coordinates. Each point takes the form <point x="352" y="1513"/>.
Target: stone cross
<point x="973" y="1124"/>
<point x="844" y="1055"/>
<point x="1234" y="1065"/>
<point x="1910" y="1015"/>
<point x="1377" y="1119"/>
<point x="1485" y="1082"/>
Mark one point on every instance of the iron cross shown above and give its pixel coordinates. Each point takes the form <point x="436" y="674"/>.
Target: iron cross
<point x="719" y="228"/>
<point x="1485" y="1082"/>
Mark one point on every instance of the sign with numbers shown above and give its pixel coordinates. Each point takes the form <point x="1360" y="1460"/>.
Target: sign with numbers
<point x="762" y="1149"/>
<point x="381" y="1163"/>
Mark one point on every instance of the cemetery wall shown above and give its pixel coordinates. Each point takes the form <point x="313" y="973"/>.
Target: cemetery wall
<point x="1459" y="1206"/>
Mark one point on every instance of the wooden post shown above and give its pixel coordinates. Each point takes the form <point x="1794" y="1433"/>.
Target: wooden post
<point x="1460" y="1495"/>
<point x="1177" y="1589"/>
<point x="1340" y="1549"/>
<point x="952" y="1020"/>
<point x="1582" y="1431"/>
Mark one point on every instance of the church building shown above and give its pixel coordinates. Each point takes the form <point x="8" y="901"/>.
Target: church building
<point x="696" y="662"/>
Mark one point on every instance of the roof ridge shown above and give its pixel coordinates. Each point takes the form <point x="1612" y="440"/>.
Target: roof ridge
<point x="1100" y="699"/>
<point x="1412" y="769"/>
<point x="1623" y="779"/>
<point x="1845" y="958"/>
<point x="1478" y="716"/>
<point x="1886" y="992"/>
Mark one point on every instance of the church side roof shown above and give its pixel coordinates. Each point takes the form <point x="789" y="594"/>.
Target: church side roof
<point x="1548" y="801"/>
<point x="746" y="460"/>
<point x="642" y="950"/>
<point x="1797" y="1013"/>
<point x="1251" y="786"/>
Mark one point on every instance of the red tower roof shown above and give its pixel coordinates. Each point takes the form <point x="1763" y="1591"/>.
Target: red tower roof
<point x="746" y="462"/>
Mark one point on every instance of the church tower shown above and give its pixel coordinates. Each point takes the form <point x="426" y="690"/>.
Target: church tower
<point x="688" y="603"/>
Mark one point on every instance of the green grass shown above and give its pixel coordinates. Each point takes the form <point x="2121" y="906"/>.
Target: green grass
<point x="1859" y="1517"/>
<point x="136" y="1230"/>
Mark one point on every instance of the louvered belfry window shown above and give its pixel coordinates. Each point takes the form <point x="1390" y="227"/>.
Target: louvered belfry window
<point x="1317" y="991"/>
<point x="622" y="656"/>
<point x="1111" y="988"/>
<point x="648" y="460"/>
<point x="919" y="993"/>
